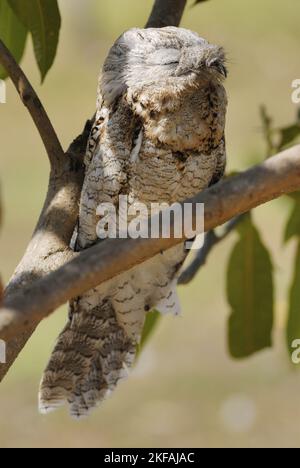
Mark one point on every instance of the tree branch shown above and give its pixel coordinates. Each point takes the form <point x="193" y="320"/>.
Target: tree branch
<point x="230" y="198"/>
<point x="49" y="246"/>
<point x="31" y="100"/>
<point x="166" y="13"/>
<point x="212" y="239"/>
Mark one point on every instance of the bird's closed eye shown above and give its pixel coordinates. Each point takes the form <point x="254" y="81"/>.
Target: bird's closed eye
<point x="174" y="62"/>
<point x="164" y="57"/>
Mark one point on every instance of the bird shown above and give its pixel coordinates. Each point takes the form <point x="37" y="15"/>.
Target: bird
<point x="158" y="136"/>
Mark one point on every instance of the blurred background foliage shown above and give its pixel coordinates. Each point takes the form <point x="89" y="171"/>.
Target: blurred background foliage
<point x="172" y="398"/>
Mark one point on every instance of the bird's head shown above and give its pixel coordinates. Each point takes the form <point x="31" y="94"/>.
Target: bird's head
<point x="155" y="60"/>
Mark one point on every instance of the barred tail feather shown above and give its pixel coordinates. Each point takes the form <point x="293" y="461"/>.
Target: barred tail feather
<point x="91" y="356"/>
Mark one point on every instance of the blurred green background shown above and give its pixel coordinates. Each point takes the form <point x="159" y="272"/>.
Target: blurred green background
<point x="185" y="390"/>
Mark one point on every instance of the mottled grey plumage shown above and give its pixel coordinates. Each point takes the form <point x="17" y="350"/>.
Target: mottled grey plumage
<point x="158" y="137"/>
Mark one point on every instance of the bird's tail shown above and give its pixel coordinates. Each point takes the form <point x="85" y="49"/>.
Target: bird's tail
<point x="91" y="356"/>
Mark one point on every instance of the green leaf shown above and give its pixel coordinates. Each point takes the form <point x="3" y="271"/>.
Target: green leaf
<point x="151" y="322"/>
<point x="199" y="1"/>
<point x="42" y="18"/>
<point x="12" y="33"/>
<point x="293" y="225"/>
<point x="295" y="196"/>
<point x="250" y="293"/>
<point x="293" y="325"/>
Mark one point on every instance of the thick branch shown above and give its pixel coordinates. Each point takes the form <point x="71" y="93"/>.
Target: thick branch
<point x="49" y="246"/>
<point x="226" y="200"/>
<point x="31" y="100"/>
<point x="166" y="13"/>
<point x="212" y="239"/>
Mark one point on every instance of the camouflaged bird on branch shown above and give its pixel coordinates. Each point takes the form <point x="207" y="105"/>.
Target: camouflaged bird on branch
<point x="158" y="137"/>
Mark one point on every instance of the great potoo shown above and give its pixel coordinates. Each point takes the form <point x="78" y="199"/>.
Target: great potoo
<point x="158" y="137"/>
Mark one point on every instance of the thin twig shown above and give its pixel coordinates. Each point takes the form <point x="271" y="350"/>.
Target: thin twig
<point x="31" y="100"/>
<point x="212" y="239"/>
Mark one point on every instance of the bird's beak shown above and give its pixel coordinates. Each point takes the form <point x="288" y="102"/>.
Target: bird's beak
<point x="219" y="66"/>
<point x="222" y="70"/>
